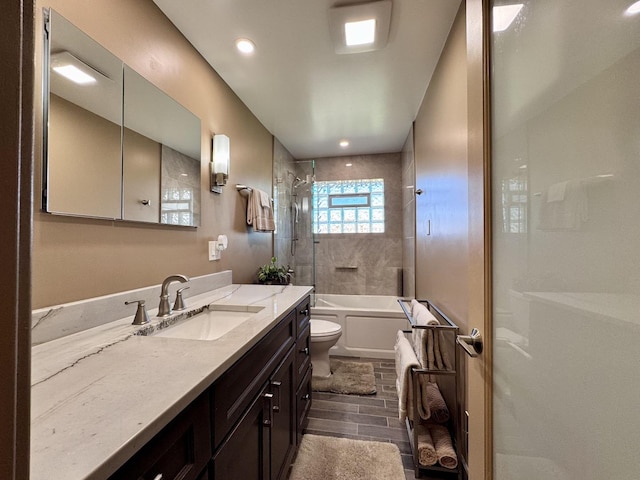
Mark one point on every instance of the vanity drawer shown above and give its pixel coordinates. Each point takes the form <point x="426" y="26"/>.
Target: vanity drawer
<point x="303" y="315"/>
<point x="303" y="354"/>
<point x="303" y="404"/>
<point x="235" y="390"/>
<point x="180" y="451"/>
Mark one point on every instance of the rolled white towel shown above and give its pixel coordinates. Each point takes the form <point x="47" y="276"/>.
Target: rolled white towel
<point x="426" y="451"/>
<point x="444" y="447"/>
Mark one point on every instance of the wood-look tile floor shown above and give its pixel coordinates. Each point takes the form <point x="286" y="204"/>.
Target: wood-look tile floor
<point x="366" y="417"/>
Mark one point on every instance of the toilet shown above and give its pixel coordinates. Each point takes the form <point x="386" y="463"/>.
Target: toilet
<point x="324" y="335"/>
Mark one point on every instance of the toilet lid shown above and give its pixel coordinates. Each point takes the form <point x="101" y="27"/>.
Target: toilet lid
<point x="323" y="328"/>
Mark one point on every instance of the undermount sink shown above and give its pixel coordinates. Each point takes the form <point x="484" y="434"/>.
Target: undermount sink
<point x="211" y="324"/>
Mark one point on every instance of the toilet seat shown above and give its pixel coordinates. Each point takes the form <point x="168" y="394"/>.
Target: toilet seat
<point x="324" y="328"/>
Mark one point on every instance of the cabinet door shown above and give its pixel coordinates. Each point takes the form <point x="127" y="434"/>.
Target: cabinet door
<point x="303" y="404"/>
<point x="303" y="354"/>
<point x="303" y="315"/>
<point x="283" y="431"/>
<point x="245" y="454"/>
<point x="179" y="452"/>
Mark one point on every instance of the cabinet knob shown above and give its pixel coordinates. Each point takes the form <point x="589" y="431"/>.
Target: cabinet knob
<point x="304" y="312"/>
<point x="305" y="350"/>
<point x="158" y="477"/>
<point x="307" y="397"/>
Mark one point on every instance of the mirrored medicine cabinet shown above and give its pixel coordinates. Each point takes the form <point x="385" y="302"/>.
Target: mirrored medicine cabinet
<point x="115" y="146"/>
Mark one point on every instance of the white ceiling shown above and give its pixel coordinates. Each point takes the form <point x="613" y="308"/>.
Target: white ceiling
<point x="305" y="94"/>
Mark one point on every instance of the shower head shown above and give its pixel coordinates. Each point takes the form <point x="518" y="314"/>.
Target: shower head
<point x="297" y="182"/>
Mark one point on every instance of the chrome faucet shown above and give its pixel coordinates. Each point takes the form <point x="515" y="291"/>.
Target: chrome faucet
<point x="165" y="309"/>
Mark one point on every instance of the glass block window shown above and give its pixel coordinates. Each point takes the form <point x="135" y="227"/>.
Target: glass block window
<point x="348" y="206"/>
<point x="177" y="206"/>
<point x="514" y="205"/>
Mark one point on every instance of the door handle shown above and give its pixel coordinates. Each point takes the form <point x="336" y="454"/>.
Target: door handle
<point x="471" y="344"/>
<point x="267" y="422"/>
<point x="277" y="384"/>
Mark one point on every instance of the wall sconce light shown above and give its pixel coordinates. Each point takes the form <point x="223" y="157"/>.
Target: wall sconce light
<point x="219" y="163"/>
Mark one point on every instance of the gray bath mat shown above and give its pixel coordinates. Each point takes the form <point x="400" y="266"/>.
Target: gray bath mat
<point x="331" y="458"/>
<point x="355" y="378"/>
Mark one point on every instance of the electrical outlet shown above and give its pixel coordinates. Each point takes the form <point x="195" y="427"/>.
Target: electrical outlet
<point x="214" y="253"/>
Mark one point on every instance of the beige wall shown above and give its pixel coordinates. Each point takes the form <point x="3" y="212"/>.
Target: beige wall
<point x="451" y="268"/>
<point x="408" y="218"/>
<point x="442" y="257"/>
<point x="80" y="258"/>
<point x="85" y="150"/>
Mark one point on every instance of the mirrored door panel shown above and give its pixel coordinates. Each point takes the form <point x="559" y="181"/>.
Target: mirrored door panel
<point x="83" y="162"/>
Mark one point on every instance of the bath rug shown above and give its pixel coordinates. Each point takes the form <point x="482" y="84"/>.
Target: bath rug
<point x="332" y="458"/>
<point x="354" y="378"/>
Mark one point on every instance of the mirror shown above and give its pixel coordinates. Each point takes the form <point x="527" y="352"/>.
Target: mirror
<point x="161" y="156"/>
<point x="83" y="150"/>
<point x="116" y="146"/>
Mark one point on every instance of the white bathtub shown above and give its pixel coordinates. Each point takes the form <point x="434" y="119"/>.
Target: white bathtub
<point x="369" y="323"/>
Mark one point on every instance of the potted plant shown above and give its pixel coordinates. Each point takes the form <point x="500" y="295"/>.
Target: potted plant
<point x="272" y="274"/>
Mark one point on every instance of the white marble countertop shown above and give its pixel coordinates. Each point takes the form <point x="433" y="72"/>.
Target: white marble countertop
<point x="99" y="395"/>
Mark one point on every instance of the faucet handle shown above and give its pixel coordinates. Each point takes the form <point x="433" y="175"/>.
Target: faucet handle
<point x="179" y="303"/>
<point x="141" y="313"/>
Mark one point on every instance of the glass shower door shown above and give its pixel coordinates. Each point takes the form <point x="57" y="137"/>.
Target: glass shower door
<point x="566" y="239"/>
<point x="302" y="244"/>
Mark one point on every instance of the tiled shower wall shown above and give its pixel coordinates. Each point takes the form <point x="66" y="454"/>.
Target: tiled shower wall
<point x="377" y="256"/>
<point x="283" y="162"/>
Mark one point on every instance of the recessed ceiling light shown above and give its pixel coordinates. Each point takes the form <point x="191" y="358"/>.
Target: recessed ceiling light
<point x="360" y="33"/>
<point x="348" y="164"/>
<point x="344" y="143"/>
<point x="246" y="46"/>
<point x="633" y="9"/>
<point x="504" y="15"/>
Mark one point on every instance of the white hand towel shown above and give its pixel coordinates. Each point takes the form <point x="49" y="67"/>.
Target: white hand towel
<point x="265" y="201"/>
<point x="257" y="215"/>
<point x="420" y="337"/>
<point x="405" y="360"/>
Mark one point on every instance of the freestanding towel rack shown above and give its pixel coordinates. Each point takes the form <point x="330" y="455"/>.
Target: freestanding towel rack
<point x="450" y="388"/>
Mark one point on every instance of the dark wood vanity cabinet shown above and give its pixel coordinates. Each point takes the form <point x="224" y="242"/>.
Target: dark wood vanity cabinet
<point x="180" y="451"/>
<point x="303" y="366"/>
<point x="247" y="425"/>
<point x="246" y="452"/>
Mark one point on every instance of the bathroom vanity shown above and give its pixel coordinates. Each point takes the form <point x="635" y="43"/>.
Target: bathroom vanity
<point x="109" y="403"/>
